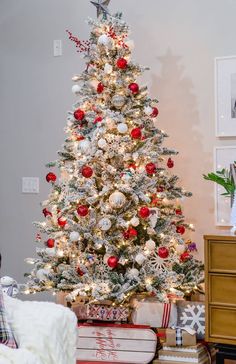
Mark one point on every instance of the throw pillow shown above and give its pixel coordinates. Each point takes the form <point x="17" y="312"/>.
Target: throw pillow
<point x="6" y="333"/>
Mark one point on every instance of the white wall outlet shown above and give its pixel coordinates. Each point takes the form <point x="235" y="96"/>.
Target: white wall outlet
<point x="30" y="185"/>
<point x="57" y="48"/>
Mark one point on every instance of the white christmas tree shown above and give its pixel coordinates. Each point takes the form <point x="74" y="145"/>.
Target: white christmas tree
<point x="113" y="225"/>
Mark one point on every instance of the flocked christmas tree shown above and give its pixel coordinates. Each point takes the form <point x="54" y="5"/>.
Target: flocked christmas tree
<point x="112" y="225"/>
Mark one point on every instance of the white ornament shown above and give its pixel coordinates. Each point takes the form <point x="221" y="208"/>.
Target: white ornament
<point x="84" y="145"/>
<point x="135" y="156"/>
<point x="180" y="248"/>
<point x="102" y="143"/>
<point x="108" y="68"/>
<point x="42" y="274"/>
<point x="105" y="41"/>
<point x="117" y="199"/>
<point x="140" y="258"/>
<point x="74" y="236"/>
<point x="104" y="224"/>
<point x="6" y="281"/>
<point x="133" y="273"/>
<point x="75" y="89"/>
<point x="148" y="110"/>
<point x="50" y="252"/>
<point x="134" y="221"/>
<point x="150" y="244"/>
<point x="122" y="128"/>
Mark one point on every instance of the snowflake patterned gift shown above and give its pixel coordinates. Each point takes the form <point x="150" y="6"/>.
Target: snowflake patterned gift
<point x="192" y="314"/>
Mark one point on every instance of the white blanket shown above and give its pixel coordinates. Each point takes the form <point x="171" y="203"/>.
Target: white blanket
<point x="45" y="332"/>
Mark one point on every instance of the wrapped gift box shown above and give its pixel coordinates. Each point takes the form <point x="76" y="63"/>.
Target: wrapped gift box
<point x="180" y="337"/>
<point x="193" y="357"/>
<point x="100" y="312"/>
<point x="115" y="343"/>
<point x="150" y="312"/>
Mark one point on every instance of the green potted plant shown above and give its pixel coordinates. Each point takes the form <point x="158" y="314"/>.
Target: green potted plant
<point x="227" y="179"/>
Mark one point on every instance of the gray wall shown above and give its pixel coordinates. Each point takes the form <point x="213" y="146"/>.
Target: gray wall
<point x="177" y="39"/>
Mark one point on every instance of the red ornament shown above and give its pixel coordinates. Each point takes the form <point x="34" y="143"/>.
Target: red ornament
<point x="61" y="221"/>
<point x="136" y="133"/>
<point x="134" y="88"/>
<point x="79" y="137"/>
<point x="170" y="163"/>
<point x="180" y="229"/>
<point x="98" y="119"/>
<point x="155" y="112"/>
<point x="50" y="243"/>
<point x="126" y="235"/>
<point x="163" y="252"/>
<point x="112" y="261"/>
<point x="100" y="88"/>
<point x="132" y="166"/>
<point x="130" y="233"/>
<point x="160" y="189"/>
<point x="144" y="212"/>
<point x="79" y="114"/>
<point x="82" y="210"/>
<point x="87" y="171"/>
<point x="151" y="168"/>
<point x="184" y="257"/>
<point x="121" y="63"/>
<point x="79" y="272"/>
<point x="46" y="212"/>
<point x="178" y="211"/>
<point x="51" y="177"/>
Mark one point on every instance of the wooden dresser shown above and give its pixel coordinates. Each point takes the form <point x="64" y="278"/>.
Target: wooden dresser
<point x="220" y="278"/>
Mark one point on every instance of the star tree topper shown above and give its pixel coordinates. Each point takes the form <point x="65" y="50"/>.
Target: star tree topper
<point x="101" y="6"/>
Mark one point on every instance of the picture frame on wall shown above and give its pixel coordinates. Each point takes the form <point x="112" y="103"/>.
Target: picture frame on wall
<point x="225" y="96"/>
<point x="224" y="157"/>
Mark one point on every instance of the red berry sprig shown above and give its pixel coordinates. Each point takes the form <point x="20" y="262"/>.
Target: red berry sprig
<point x="82" y="45"/>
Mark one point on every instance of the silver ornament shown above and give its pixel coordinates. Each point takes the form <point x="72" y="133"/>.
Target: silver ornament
<point x="42" y="274"/>
<point x="105" y="41"/>
<point x="104" y="224"/>
<point x="122" y="128"/>
<point x="148" y="110"/>
<point x="74" y="236"/>
<point x="84" y="145"/>
<point x="140" y="258"/>
<point x="133" y="273"/>
<point x="117" y="200"/>
<point x="102" y="143"/>
<point x="76" y="89"/>
<point x="118" y="101"/>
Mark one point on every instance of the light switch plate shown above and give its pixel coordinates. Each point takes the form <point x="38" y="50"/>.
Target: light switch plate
<point x="57" y="48"/>
<point x="30" y="185"/>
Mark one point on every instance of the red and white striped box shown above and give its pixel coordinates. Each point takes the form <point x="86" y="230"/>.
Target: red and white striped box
<point x="115" y="343"/>
<point x="154" y="313"/>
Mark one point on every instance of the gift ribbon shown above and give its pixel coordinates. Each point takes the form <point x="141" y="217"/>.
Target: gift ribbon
<point x="166" y="315"/>
<point x="178" y="333"/>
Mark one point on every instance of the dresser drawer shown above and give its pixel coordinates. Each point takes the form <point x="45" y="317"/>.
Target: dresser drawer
<point x="222" y="324"/>
<point x="222" y="289"/>
<point x="222" y="256"/>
